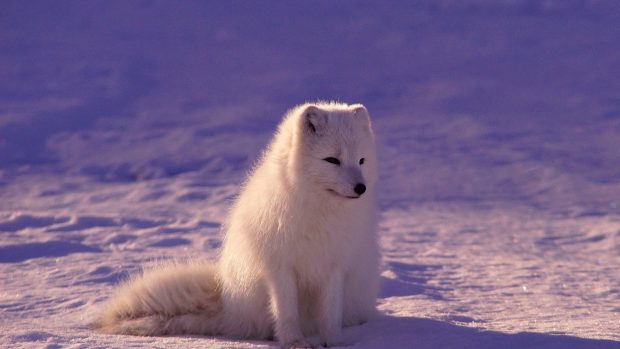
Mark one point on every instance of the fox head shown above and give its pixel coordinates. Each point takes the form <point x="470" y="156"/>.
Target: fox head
<point x="334" y="149"/>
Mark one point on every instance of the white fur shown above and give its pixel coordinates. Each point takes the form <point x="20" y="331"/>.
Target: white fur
<point x="300" y="254"/>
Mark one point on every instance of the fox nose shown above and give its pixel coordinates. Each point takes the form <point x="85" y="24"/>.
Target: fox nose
<point x="359" y="188"/>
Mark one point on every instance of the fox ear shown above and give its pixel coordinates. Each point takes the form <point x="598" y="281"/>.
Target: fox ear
<point x="361" y="113"/>
<point x="314" y="120"/>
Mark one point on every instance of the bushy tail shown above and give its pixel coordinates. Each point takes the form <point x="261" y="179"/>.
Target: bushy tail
<point x="174" y="298"/>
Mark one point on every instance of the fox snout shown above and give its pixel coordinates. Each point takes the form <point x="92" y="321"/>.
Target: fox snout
<point x="359" y="189"/>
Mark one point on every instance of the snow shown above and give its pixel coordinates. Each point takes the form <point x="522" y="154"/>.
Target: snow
<point x="127" y="127"/>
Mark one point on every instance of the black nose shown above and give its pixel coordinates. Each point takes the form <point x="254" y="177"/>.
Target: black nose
<point x="359" y="188"/>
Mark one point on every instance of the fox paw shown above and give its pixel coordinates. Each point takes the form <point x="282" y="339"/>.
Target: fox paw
<point x="298" y="344"/>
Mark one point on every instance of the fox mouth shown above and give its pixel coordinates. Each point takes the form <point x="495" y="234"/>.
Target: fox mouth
<point x="342" y="196"/>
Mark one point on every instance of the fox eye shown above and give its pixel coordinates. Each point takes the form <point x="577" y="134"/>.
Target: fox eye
<point x="362" y="161"/>
<point x="332" y="160"/>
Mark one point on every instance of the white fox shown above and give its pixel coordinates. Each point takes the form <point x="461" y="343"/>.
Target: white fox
<point x="299" y="259"/>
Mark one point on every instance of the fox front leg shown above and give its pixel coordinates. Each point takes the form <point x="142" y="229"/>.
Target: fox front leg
<point x="284" y="307"/>
<point x="330" y="310"/>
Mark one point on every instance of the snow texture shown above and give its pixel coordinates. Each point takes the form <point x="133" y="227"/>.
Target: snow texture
<point x="127" y="127"/>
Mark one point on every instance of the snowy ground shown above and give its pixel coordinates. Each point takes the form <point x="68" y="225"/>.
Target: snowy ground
<point x="126" y="128"/>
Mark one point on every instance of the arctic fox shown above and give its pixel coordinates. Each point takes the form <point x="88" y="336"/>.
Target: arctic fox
<point x="299" y="259"/>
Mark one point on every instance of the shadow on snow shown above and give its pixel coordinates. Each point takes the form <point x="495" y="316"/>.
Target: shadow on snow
<point x="410" y="332"/>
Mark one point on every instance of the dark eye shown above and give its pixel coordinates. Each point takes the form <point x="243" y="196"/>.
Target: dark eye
<point x="332" y="160"/>
<point x="361" y="161"/>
